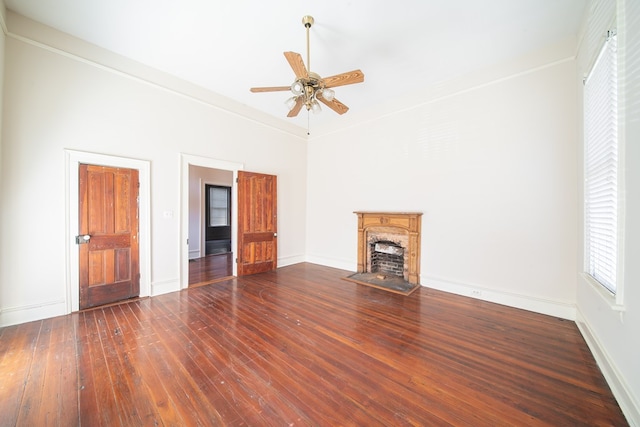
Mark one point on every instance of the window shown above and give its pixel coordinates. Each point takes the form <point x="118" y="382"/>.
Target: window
<point x="601" y="166"/>
<point x="218" y="204"/>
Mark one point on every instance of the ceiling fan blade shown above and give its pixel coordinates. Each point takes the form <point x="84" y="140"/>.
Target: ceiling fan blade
<point x="296" y="108"/>
<point x="297" y="64"/>
<point x="348" y="78"/>
<point x="270" y="89"/>
<point x="334" y="104"/>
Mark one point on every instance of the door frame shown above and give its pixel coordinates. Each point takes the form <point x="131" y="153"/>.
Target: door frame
<point x="73" y="160"/>
<point x="185" y="161"/>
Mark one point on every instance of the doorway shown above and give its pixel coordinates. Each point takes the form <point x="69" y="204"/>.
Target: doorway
<point x="210" y="220"/>
<point x="73" y="161"/>
<point x="196" y="172"/>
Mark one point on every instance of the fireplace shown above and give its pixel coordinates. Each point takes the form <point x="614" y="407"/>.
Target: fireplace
<point x="389" y="250"/>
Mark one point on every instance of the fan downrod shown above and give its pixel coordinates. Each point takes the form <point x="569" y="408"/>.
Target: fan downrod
<point x="308" y="21"/>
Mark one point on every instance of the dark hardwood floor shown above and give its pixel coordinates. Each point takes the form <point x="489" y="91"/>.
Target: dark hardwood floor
<point x="301" y="346"/>
<point x="209" y="269"/>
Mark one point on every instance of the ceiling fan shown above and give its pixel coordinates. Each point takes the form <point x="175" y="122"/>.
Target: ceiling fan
<point x="308" y="87"/>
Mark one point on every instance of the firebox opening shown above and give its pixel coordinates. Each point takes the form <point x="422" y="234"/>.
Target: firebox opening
<point x="387" y="258"/>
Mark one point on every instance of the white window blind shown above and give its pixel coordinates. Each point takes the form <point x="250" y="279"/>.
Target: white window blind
<point x="218" y="206"/>
<point x="601" y="166"/>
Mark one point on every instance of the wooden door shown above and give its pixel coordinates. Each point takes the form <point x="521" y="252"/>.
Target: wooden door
<point x="108" y="215"/>
<point x="257" y="223"/>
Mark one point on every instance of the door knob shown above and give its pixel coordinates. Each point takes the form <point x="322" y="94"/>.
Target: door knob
<point x="81" y="240"/>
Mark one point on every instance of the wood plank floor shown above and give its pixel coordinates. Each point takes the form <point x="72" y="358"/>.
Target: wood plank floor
<point x="301" y="346"/>
<point x="210" y="268"/>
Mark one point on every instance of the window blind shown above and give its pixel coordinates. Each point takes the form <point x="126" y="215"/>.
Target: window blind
<point x="218" y="206"/>
<point x="601" y="166"/>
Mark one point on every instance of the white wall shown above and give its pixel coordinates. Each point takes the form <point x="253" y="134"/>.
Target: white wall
<point x="59" y="100"/>
<point x="2" y="43"/>
<point x="198" y="177"/>
<point x="490" y="161"/>
<point x="612" y="330"/>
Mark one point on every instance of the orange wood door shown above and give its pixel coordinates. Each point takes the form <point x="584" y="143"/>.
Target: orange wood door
<point x="257" y="223"/>
<point x="109" y="262"/>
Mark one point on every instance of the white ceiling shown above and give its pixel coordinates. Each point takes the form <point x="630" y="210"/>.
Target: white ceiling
<point x="231" y="46"/>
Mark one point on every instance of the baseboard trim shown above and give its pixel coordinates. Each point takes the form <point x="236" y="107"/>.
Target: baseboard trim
<point x="560" y="309"/>
<point x="628" y="404"/>
<point x="290" y="260"/>
<point x="29" y="313"/>
<point x="564" y="310"/>
<point x="331" y="262"/>
<point x="164" y="287"/>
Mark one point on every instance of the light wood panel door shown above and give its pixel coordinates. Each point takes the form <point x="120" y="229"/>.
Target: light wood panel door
<point x="108" y="235"/>
<point x="257" y="223"/>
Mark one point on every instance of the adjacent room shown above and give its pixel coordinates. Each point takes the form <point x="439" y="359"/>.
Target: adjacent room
<point x="320" y="213"/>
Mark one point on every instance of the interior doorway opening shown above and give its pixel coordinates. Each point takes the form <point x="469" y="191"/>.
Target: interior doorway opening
<point x="197" y="172"/>
<point x="210" y="220"/>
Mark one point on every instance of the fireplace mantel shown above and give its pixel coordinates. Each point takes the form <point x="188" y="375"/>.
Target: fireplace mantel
<point x="406" y="223"/>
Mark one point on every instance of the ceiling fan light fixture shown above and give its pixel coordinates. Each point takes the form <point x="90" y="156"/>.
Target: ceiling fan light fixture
<point x="290" y="103"/>
<point x="328" y="94"/>
<point x="315" y="107"/>
<point x="297" y="87"/>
